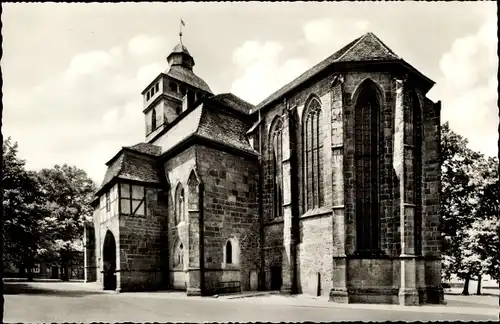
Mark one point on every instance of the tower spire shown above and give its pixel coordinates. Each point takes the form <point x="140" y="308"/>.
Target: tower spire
<point x="180" y="30"/>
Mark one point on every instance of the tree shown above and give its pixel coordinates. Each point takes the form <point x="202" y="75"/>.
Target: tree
<point x="483" y="235"/>
<point x="459" y="202"/>
<point x="23" y="210"/>
<point x="1" y="219"/>
<point x="68" y="192"/>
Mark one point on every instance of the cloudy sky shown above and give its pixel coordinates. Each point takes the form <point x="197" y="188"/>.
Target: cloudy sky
<point x="73" y="73"/>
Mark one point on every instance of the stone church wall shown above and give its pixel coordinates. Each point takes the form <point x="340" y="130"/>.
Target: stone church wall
<point x="230" y="211"/>
<point x="315" y="234"/>
<point x="177" y="170"/>
<point x="101" y="228"/>
<point x="142" y="253"/>
<point x="368" y="279"/>
<point x="315" y="226"/>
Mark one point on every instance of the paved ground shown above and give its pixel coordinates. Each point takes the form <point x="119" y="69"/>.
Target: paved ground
<point x="78" y="302"/>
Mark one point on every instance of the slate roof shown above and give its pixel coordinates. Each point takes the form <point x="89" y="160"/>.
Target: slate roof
<point x="187" y="76"/>
<point x="138" y="162"/>
<point x="365" y="48"/>
<point x="210" y="122"/>
<point x="180" y="48"/>
<point x="232" y="101"/>
<point x="145" y="148"/>
<point x="135" y="162"/>
<point x="223" y="127"/>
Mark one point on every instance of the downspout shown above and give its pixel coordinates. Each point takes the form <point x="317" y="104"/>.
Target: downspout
<point x="262" y="282"/>
<point x="293" y="118"/>
<point x="201" y="188"/>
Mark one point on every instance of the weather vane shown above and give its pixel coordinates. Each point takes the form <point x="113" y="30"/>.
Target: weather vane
<point x="180" y="30"/>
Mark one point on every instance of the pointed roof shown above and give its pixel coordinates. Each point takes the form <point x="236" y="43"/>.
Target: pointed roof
<point x="365" y="48"/>
<point x="368" y="48"/>
<point x="180" y="56"/>
<point x="187" y="76"/>
<point x="180" y="48"/>
<point x="135" y="163"/>
<point x="181" y="68"/>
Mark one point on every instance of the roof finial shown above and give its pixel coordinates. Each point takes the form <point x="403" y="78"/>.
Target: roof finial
<point x="180" y="30"/>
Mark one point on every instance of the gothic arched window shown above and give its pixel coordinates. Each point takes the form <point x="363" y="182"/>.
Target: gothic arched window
<point x="153" y="119"/>
<point x="366" y="120"/>
<point x="179" y="255"/>
<point x="276" y="136"/>
<point x="179" y="204"/>
<point x="313" y="157"/>
<point x="229" y="253"/>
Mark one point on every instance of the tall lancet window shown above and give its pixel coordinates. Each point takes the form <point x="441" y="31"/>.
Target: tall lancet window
<point x="277" y="166"/>
<point x="367" y="167"/>
<point x="313" y="157"/>
<point x="153" y="119"/>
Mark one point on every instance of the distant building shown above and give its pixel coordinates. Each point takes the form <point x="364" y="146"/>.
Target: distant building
<point x="49" y="270"/>
<point x="330" y="186"/>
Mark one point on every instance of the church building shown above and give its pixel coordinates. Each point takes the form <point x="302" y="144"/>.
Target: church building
<point x="328" y="187"/>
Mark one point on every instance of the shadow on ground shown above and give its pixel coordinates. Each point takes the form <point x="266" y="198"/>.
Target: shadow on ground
<point x="23" y="288"/>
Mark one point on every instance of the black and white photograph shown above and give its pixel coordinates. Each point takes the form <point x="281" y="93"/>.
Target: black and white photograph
<point x="250" y="161"/>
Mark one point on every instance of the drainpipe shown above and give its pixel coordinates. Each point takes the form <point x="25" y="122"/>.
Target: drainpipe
<point x="262" y="281"/>
<point x="201" y="188"/>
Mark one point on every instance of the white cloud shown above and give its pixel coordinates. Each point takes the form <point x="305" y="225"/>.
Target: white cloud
<point x="145" y="45"/>
<point x="266" y="66"/>
<point x="147" y="73"/>
<point x="468" y="88"/>
<point x="319" y="31"/>
<point x="83" y="115"/>
<point x="89" y="63"/>
<point x="331" y="34"/>
<point x="252" y="51"/>
<point x="362" y="25"/>
<point x="262" y="71"/>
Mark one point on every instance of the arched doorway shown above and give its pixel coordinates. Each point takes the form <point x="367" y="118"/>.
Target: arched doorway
<point x="109" y="259"/>
<point x="276" y="277"/>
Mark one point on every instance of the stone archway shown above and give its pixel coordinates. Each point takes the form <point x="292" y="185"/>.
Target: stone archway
<point x="109" y="262"/>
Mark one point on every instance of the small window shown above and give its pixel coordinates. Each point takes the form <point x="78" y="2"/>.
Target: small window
<point x="157" y="87"/>
<point x="133" y="200"/>
<point x="108" y="204"/>
<point x="178" y="110"/>
<point x="147" y="95"/>
<point x="229" y="253"/>
<point x="179" y="256"/>
<point x="173" y="87"/>
<point x="36" y="268"/>
<point x="153" y="119"/>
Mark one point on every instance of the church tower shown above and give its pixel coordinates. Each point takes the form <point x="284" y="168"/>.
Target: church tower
<point x="172" y="92"/>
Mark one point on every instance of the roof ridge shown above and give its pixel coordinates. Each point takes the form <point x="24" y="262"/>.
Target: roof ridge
<point x="352" y="46"/>
<point x="120" y="170"/>
<point x="383" y="44"/>
<point x="315" y="66"/>
<point x="198" y="122"/>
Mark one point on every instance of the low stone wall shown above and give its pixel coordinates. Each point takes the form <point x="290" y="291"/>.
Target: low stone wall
<point x="178" y="279"/>
<point x="140" y="280"/>
<point x="372" y="281"/>
<point x="222" y="281"/>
